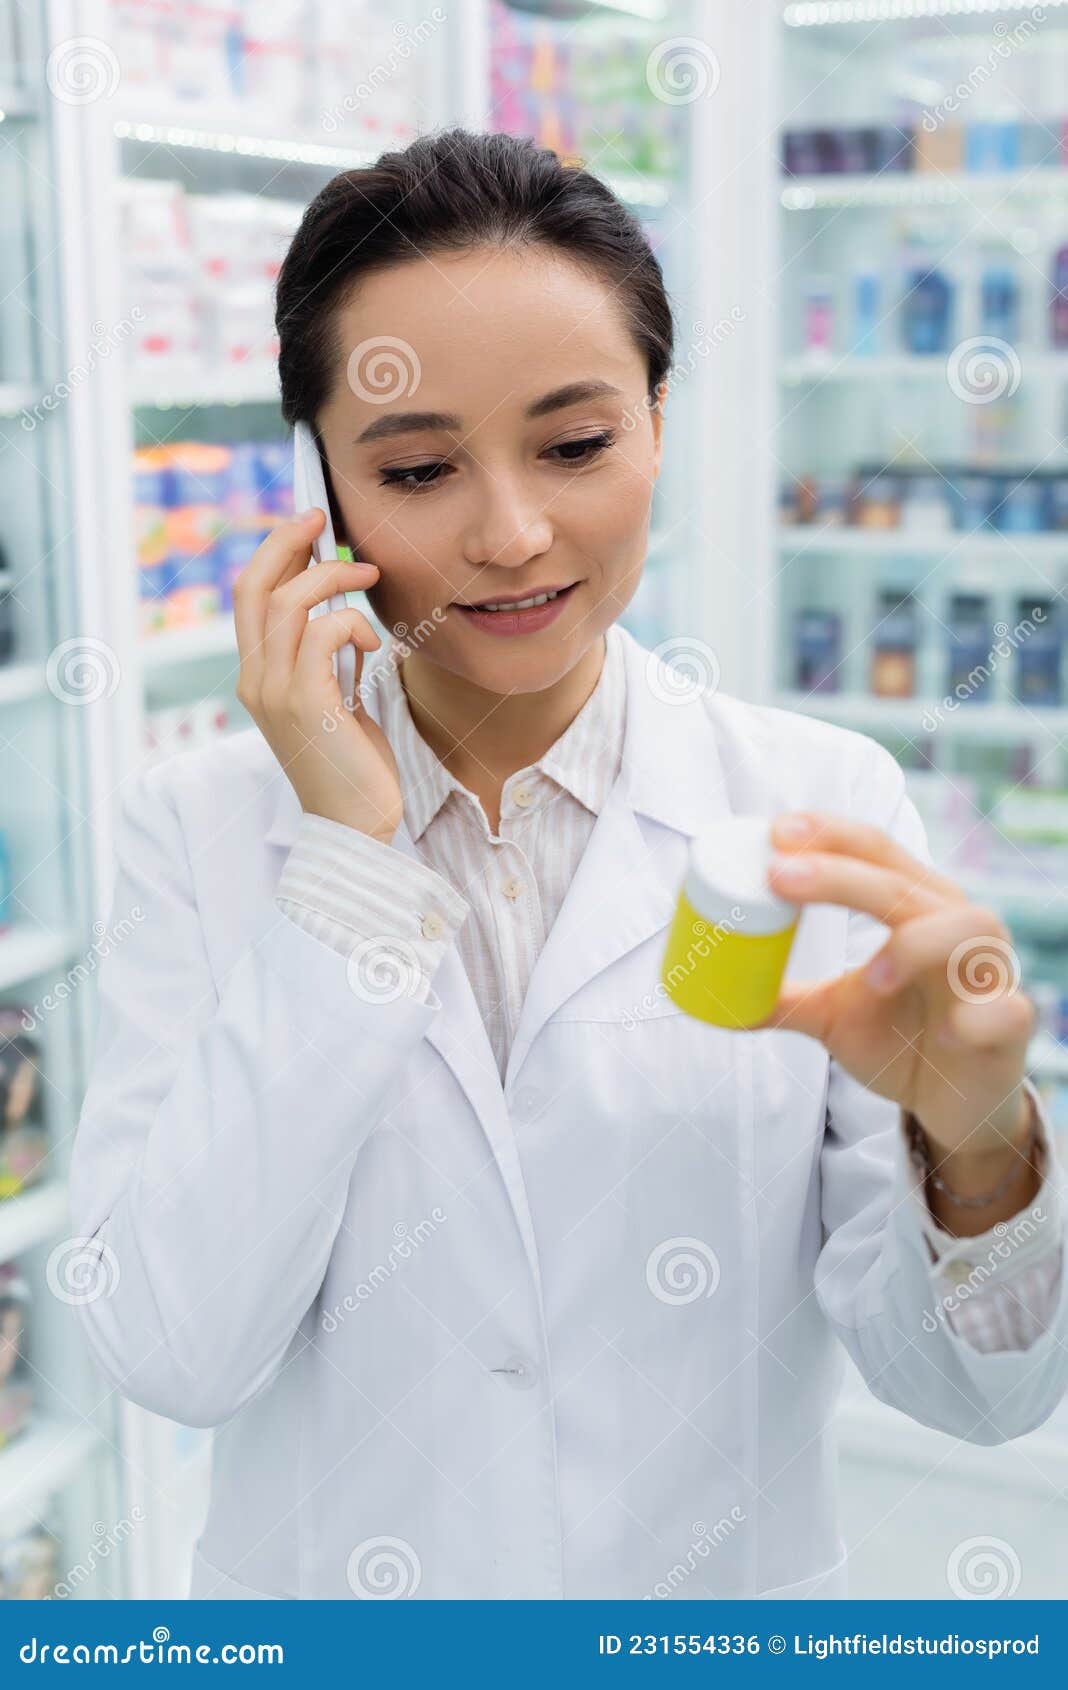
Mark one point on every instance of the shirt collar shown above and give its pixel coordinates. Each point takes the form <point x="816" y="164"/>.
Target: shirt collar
<point x="585" y="760"/>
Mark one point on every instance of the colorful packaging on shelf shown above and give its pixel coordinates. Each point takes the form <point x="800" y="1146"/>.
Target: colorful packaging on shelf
<point x="818" y="641"/>
<point x="990" y="146"/>
<point x="1029" y="834"/>
<point x="1021" y="506"/>
<point x="16" y="1387"/>
<point x="23" y="1136"/>
<point x="927" y="312"/>
<point x="29" y="1562"/>
<point x="179" y="729"/>
<point x="200" y="512"/>
<point x="1038" y="651"/>
<point x="969" y="653"/>
<point x="894" y="640"/>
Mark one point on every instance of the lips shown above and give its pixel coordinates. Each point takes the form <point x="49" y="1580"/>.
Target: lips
<point x="513" y="620"/>
<point x="516" y="601"/>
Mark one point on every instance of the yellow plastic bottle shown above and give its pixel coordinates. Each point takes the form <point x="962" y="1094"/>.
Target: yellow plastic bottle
<point x="730" y="938"/>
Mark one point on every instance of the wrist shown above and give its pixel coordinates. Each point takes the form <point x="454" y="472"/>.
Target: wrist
<point x="970" y="1189"/>
<point x="996" y="1135"/>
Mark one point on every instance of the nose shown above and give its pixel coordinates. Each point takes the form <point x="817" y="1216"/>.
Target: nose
<point x="508" y="524"/>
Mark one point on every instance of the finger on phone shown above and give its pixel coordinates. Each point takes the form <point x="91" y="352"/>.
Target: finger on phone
<point x="288" y="606"/>
<point x="283" y="555"/>
<point x="326" y="634"/>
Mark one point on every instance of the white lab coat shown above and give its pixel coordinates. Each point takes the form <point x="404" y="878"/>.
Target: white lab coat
<point x="560" y="1338"/>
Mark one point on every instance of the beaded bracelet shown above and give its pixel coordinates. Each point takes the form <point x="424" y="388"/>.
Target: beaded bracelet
<point x="921" y="1155"/>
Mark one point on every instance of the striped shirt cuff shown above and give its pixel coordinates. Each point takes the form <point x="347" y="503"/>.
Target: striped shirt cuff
<point x="1000" y="1288"/>
<point x="360" y="895"/>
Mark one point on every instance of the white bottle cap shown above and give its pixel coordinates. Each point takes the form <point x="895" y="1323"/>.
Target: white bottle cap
<point x="726" y="876"/>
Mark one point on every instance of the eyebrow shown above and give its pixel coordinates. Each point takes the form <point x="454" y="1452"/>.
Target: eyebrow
<point x="410" y="422"/>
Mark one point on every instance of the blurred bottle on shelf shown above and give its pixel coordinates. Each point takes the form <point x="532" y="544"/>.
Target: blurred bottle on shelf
<point x="893" y="646"/>
<point x="23" y="1135"/>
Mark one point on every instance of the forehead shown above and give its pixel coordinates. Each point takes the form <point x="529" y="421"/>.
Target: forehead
<point x="492" y="328"/>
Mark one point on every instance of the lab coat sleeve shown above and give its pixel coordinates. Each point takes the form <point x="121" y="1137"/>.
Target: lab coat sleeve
<point x="218" y="1133"/>
<point x="389" y="913"/>
<point x="1001" y="1287"/>
<point x="878" y="1280"/>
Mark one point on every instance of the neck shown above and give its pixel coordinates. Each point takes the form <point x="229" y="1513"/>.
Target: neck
<point x="483" y="737"/>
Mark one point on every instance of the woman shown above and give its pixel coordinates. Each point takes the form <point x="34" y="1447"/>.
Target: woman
<point x="499" y="1276"/>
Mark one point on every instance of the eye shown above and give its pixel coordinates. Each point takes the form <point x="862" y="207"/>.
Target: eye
<point x="586" y="449"/>
<point x="425" y="476"/>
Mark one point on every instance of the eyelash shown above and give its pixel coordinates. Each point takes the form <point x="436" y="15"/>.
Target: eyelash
<point x="594" y="444"/>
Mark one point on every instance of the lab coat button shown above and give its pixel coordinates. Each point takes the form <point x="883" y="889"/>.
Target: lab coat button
<point x="433" y="926"/>
<point x="518" y="1372"/>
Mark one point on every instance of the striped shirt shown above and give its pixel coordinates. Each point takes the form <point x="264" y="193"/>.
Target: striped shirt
<point x="497" y="895"/>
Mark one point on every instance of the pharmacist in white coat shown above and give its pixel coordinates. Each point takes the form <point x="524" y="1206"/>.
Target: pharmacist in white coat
<point x="497" y="1274"/>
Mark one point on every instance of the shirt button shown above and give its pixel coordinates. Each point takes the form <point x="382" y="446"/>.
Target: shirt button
<point x="523" y="796"/>
<point x="433" y="926"/>
<point x="518" y="1372"/>
<point x="513" y="888"/>
<point x="956" y="1270"/>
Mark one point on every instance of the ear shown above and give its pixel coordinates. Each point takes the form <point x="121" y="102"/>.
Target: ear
<point x="656" y="417"/>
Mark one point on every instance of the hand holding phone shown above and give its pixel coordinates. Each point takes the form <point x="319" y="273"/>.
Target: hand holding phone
<point x="293" y="621"/>
<point x="309" y="488"/>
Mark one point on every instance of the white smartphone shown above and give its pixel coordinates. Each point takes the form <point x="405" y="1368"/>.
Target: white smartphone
<point x="309" y="488"/>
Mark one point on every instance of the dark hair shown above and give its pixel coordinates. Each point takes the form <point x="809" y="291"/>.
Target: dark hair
<point x="447" y="192"/>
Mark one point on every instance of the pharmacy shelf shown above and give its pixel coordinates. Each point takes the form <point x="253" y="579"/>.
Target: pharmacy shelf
<point x="26" y="953"/>
<point x="1004" y="723"/>
<point x="813" y="14"/>
<point x="16" y="397"/>
<point x="176" y="647"/>
<point x="43" y="1459"/>
<point x="903" y="366"/>
<point x="1036" y="900"/>
<point x="162" y="390"/>
<point x="16" y="103"/>
<point x="844" y="540"/>
<point x="920" y="187"/>
<point x="19" y="681"/>
<point x="237" y="129"/>
<point x="31" y="1217"/>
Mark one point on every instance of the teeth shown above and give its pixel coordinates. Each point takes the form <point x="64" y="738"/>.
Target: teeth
<point x="520" y="604"/>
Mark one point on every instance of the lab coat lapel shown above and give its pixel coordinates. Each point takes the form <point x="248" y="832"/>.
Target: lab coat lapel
<point x="627" y="883"/>
<point x="670" y="786"/>
<point x="458" y="1033"/>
